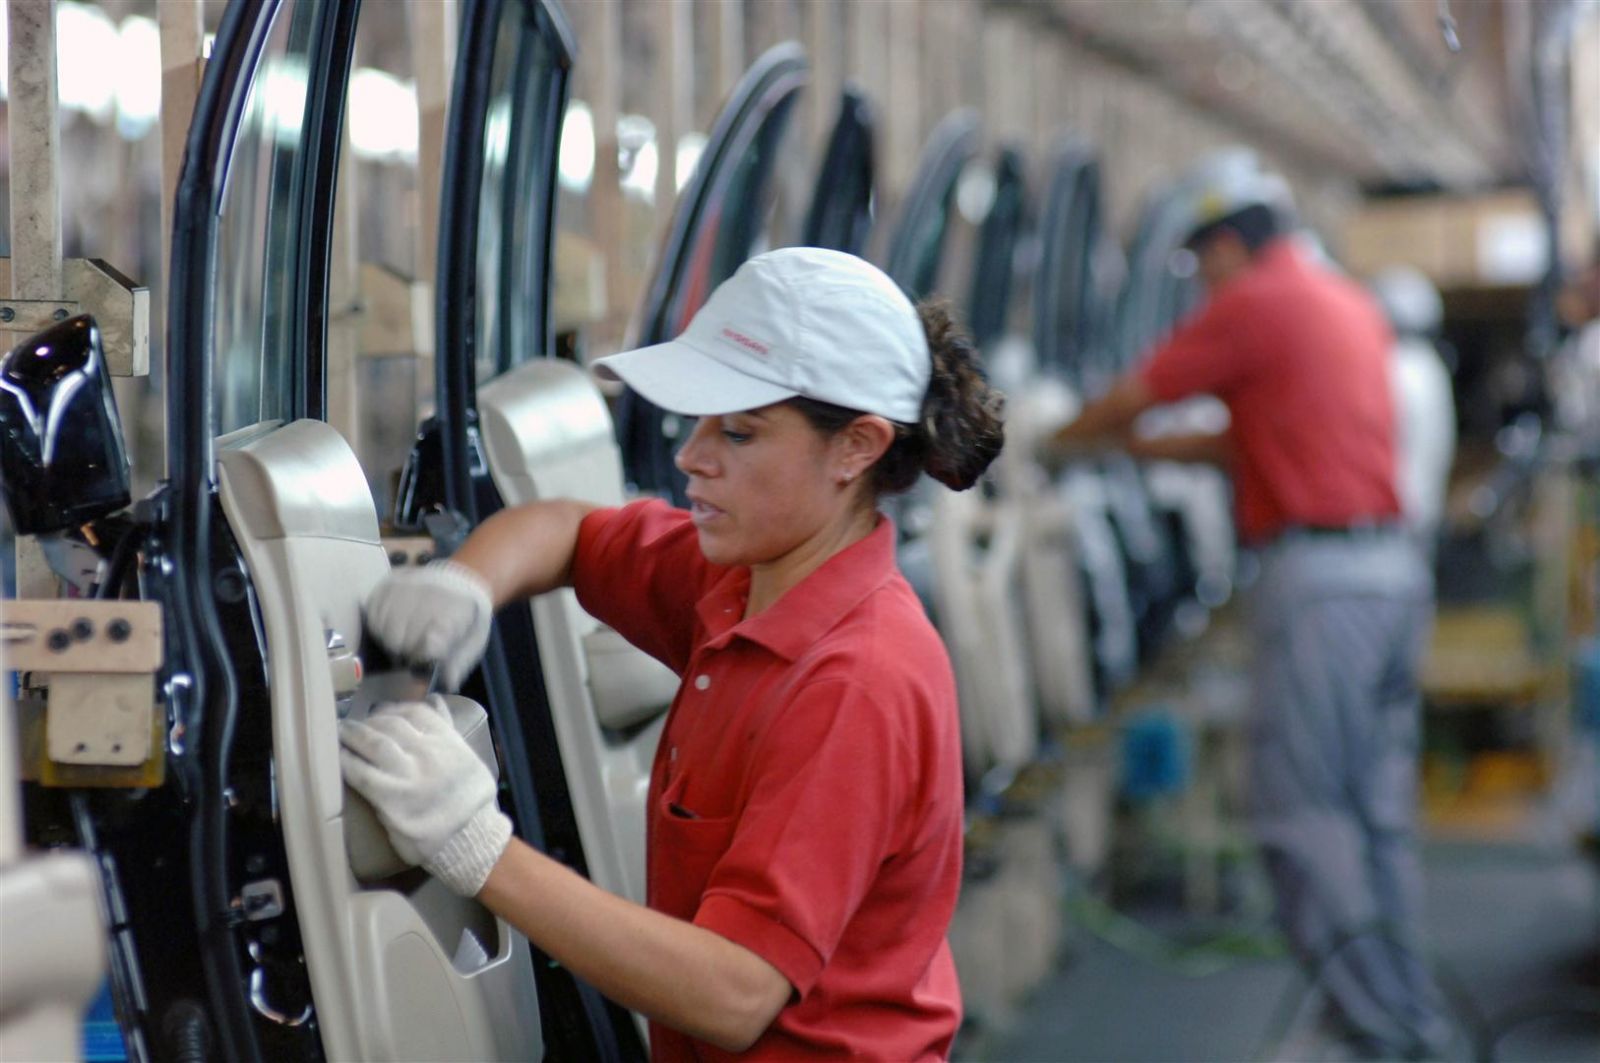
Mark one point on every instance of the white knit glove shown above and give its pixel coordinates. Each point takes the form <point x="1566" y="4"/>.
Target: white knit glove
<point x="436" y="614"/>
<point x="430" y="791"/>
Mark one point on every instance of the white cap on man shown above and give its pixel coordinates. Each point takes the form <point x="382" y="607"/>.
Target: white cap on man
<point x="795" y="322"/>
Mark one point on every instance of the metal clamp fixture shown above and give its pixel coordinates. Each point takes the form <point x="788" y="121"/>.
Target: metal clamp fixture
<point x="95" y="662"/>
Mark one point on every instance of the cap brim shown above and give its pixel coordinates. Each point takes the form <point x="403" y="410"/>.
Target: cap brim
<point x="679" y="378"/>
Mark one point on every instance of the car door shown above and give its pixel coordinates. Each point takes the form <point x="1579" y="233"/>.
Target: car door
<point x="978" y="541"/>
<point x="1070" y="335"/>
<point x="917" y="242"/>
<point x="960" y="552"/>
<point x="720" y="220"/>
<point x="277" y="548"/>
<point x="206" y="946"/>
<point x="1047" y="586"/>
<point x="840" y="215"/>
<point x="1192" y="501"/>
<point x="514" y="425"/>
<point x="1082" y="343"/>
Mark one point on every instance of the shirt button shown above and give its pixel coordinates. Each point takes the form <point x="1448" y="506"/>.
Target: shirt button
<point x="702" y="681"/>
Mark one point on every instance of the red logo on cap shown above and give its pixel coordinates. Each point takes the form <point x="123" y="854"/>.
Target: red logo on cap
<point x="755" y="346"/>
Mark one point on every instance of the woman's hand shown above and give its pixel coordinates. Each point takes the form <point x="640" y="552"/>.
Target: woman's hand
<point x="430" y="791"/>
<point x="437" y="614"/>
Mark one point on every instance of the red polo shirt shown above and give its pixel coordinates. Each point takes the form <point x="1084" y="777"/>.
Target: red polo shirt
<point x="806" y="798"/>
<point x="1300" y="355"/>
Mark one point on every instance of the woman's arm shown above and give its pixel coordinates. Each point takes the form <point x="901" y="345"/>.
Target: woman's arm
<point x="1104" y="420"/>
<point x="1214" y="448"/>
<point x="672" y="971"/>
<point x="525" y="550"/>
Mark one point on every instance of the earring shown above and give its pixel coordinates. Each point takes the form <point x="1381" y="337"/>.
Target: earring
<point x="845" y="478"/>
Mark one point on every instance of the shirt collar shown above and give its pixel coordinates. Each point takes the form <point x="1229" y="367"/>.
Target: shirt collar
<point x="1281" y="250"/>
<point x="810" y="608"/>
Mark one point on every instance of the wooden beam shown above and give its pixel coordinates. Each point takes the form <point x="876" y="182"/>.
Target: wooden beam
<point x="728" y="46"/>
<point x="433" y="28"/>
<point x="825" y="52"/>
<point x="675" y="98"/>
<point x="770" y="22"/>
<point x="35" y="151"/>
<point x="182" y="28"/>
<point x="867" y="44"/>
<point x="35" y="146"/>
<point x="600" y="75"/>
<point x="906" y="124"/>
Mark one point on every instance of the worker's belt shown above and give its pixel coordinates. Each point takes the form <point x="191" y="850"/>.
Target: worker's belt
<point x="1367" y="529"/>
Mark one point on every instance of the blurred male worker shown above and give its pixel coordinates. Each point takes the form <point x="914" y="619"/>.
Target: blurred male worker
<point x="1425" y="407"/>
<point x="1342" y="606"/>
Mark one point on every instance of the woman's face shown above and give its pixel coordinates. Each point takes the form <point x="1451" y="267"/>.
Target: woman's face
<point x="765" y="484"/>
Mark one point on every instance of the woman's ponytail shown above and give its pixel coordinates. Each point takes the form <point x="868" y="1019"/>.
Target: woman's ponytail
<point x="961" y="429"/>
<point x="962" y="416"/>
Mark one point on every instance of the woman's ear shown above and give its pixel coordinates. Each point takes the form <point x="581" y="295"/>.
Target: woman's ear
<point x="860" y="444"/>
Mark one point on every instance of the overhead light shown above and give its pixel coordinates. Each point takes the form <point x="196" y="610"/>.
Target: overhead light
<point x="690" y="148"/>
<point x="637" y="156"/>
<point x="975" y="192"/>
<point x="138" y="76"/>
<point x="575" y="161"/>
<point x="88" y="53"/>
<point x="282" y="100"/>
<point x="383" y="116"/>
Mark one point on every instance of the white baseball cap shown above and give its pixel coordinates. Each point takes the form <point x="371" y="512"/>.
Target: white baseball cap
<point x="798" y="321"/>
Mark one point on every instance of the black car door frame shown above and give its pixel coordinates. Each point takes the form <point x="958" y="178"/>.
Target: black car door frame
<point x="840" y="215"/>
<point x="510" y="683"/>
<point x="916" y="245"/>
<point x="759" y="106"/>
<point x="994" y="272"/>
<point x="189" y="562"/>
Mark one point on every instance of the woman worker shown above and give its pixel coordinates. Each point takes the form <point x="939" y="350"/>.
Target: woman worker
<point x="805" y="805"/>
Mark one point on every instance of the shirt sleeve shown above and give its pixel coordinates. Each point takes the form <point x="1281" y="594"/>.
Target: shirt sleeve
<point x="824" y="813"/>
<point x="1207" y="354"/>
<point x="639" y="569"/>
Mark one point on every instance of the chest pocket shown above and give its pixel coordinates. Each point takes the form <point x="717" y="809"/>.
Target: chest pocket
<point x="684" y="849"/>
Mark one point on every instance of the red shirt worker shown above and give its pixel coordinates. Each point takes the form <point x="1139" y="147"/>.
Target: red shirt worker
<point x="805" y="804"/>
<point x="1341" y="611"/>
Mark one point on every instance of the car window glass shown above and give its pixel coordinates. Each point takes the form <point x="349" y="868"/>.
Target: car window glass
<point x="257" y="240"/>
<point x="514" y="197"/>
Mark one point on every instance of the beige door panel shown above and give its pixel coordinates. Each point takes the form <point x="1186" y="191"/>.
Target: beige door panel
<point x="977" y="552"/>
<point x="47" y="976"/>
<point x="1053" y="593"/>
<point x="400" y="968"/>
<point x="548" y="434"/>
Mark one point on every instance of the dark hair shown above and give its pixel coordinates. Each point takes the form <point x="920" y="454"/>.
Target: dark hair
<point x="961" y="429"/>
<point x="1255" y="226"/>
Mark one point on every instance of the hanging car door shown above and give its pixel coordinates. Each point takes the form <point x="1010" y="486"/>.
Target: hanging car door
<point x="1046" y="587"/>
<point x="916" y="245"/>
<point x="1076" y="343"/>
<point x="1069" y="332"/>
<point x="1193" y="501"/>
<point x="513" y="426"/>
<point x="977" y="541"/>
<point x="719" y="222"/>
<point x="994" y="269"/>
<point x="840" y="216"/>
<point x="321" y="942"/>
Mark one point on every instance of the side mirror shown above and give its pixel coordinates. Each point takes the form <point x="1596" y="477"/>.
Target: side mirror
<point x="62" y="458"/>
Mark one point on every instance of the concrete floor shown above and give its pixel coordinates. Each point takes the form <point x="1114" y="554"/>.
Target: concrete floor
<point x="1516" y="927"/>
